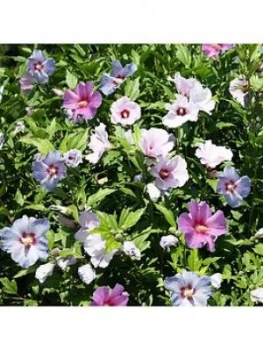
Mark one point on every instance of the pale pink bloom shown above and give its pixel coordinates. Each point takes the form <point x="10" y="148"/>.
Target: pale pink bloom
<point x="99" y="143"/>
<point x="183" y="85"/>
<point x="212" y="155"/>
<point x="170" y="173"/>
<point x="213" y="50"/>
<point x="202" y="98"/>
<point x="88" y="221"/>
<point x="238" y="88"/>
<point x="124" y="111"/>
<point x="200" y="226"/>
<point x="95" y="247"/>
<point x="156" y="142"/>
<point x="180" y="112"/>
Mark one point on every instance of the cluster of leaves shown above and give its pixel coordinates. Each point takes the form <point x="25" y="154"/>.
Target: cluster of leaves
<point x="123" y="206"/>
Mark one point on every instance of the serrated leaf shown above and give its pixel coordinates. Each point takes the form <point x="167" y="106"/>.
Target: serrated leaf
<point x="43" y="145"/>
<point x="258" y="249"/>
<point x="193" y="260"/>
<point x="10" y="287"/>
<point x="71" y="80"/>
<point x="132" y="219"/>
<point x="183" y="54"/>
<point x="99" y="196"/>
<point x="168" y="214"/>
<point x="132" y="89"/>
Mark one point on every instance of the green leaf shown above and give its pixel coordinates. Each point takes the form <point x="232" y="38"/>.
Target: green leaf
<point x="258" y="249"/>
<point x="10" y="287"/>
<point x="43" y="145"/>
<point x="111" y="245"/>
<point x="212" y="183"/>
<point x="183" y="55"/>
<point x="132" y="89"/>
<point x="51" y="239"/>
<point x="132" y="219"/>
<point x="168" y="214"/>
<point x="99" y="196"/>
<point x="71" y="80"/>
<point x="193" y="260"/>
<point x="19" y="197"/>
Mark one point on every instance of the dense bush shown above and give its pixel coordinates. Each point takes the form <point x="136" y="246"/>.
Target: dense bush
<point x="111" y="184"/>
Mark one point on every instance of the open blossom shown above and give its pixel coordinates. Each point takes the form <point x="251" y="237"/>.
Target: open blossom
<point x="238" y="88"/>
<point x="110" y="82"/>
<point x="180" y="112"/>
<point x="198" y="96"/>
<point x="202" y="98"/>
<point x="88" y="221"/>
<point x="105" y="296"/>
<point x="233" y="187"/>
<point x="212" y="155"/>
<point x="200" y="227"/>
<point x="27" y="83"/>
<point x="40" y="67"/>
<point x="124" y="111"/>
<point x="256" y="295"/>
<point x="95" y="247"/>
<point x="188" y="289"/>
<point x="156" y="142"/>
<point x="213" y="50"/>
<point x="216" y="280"/>
<point x="170" y="173"/>
<point x="43" y="271"/>
<point x="86" y="273"/>
<point x="168" y="241"/>
<point x="26" y="240"/>
<point x="82" y="101"/>
<point x="99" y="144"/>
<point x="130" y="249"/>
<point x="183" y="85"/>
<point x="73" y="158"/>
<point x="49" y="170"/>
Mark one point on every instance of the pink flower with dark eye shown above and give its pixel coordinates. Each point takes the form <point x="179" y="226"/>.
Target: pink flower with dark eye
<point x="183" y="85"/>
<point x="170" y="173"/>
<point x="200" y="227"/>
<point x="213" y="50"/>
<point x="105" y="296"/>
<point x="125" y="112"/>
<point x="180" y="112"/>
<point x="156" y="142"/>
<point x="83" y="101"/>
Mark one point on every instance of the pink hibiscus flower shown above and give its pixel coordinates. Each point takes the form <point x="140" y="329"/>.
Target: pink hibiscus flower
<point x="213" y="50"/>
<point x="83" y="102"/>
<point x="105" y="296"/>
<point x="200" y="227"/>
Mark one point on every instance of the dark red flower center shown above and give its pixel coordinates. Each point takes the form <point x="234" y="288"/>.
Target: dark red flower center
<point x="230" y="186"/>
<point x="52" y="170"/>
<point x="117" y="81"/>
<point x="181" y="111"/>
<point x="38" y="66"/>
<point x="187" y="292"/>
<point x="164" y="173"/>
<point x="28" y="239"/>
<point x="125" y="114"/>
<point x="200" y="228"/>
